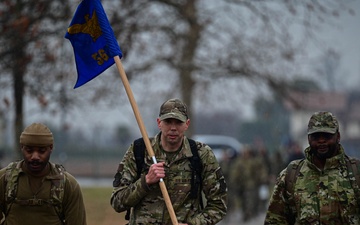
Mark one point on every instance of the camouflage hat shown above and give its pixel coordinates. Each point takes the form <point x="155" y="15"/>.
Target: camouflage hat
<point x="175" y="109"/>
<point x="323" y="122"/>
<point x="36" y="134"/>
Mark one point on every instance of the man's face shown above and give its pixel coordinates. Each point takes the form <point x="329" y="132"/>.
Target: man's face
<point x="36" y="158"/>
<point x="324" y="145"/>
<point x="173" y="130"/>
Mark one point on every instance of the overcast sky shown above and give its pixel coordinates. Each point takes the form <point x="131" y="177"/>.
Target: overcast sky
<point x="344" y="39"/>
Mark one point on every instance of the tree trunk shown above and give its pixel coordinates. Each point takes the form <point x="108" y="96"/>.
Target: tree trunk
<point x="187" y="64"/>
<point x="19" y="90"/>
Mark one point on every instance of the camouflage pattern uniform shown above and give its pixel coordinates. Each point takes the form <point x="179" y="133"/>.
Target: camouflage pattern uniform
<point x="320" y="196"/>
<point x="148" y="205"/>
<point x="247" y="174"/>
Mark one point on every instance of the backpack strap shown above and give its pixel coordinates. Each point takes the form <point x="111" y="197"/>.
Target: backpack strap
<point x="11" y="183"/>
<point x="139" y="154"/>
<point x="57" y="188"/>
<point x="195" y="164"/>
<point x="292" y="173"/>
<point x="197" y="167"/>
<point x="353" y="165"/>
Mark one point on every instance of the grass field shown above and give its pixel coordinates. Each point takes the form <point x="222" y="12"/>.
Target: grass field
<point x="98" y="208"/>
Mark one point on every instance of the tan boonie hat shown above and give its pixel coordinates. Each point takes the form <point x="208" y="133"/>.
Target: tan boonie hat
<point x="323" y="122"/>
<point x="36" y="134"/>
<point x="175" y="109"/>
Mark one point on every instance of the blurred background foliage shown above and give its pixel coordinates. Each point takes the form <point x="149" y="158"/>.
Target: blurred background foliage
<point x="217" y="56"/>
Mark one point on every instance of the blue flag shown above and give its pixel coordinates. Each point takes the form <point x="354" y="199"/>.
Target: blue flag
<point x="93" y="41"/>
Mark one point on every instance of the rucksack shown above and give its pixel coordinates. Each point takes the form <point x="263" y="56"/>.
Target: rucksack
<point x="352" y="164"/>
<point x="56" y="191"/>
<point x="195" y="164"/>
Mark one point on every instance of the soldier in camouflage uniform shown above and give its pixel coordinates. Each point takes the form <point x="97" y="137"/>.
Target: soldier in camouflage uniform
<point x="323" y="192"/>
<point x="28" y="187"/>
<point x="171" y="149"/>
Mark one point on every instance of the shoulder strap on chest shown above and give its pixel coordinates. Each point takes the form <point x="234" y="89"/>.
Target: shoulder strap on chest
<point x="195" y="162"/>
<point x="11" y="180"/>
<point x="139" y="153"/>
<point x="292" y="173"/>
<point x="57" y="188"/>
<point x="196" y="166"/>
<point x="353" y="166"/>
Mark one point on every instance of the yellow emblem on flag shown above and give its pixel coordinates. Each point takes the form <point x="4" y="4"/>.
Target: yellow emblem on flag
<point x="91" y="27"/>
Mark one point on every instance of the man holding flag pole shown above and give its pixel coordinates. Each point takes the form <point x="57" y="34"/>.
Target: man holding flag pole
<point x="195" y="181"/>
<point x="96" y="49"/>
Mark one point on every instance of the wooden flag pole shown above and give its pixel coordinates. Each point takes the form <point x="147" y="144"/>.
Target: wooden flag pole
<point x="144" y="135"/>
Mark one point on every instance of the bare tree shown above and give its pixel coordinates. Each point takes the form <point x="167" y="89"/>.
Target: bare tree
<point x="29" y="39"/>
<point x="193" y="44"/>
<point x="328" y="69"/>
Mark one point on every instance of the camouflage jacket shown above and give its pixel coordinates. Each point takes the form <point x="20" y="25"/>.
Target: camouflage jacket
<point x="321" y="197"/>
<point x="147" y="201"/>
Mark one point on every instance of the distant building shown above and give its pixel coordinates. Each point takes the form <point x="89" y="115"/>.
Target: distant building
<point x="345" y="106"/>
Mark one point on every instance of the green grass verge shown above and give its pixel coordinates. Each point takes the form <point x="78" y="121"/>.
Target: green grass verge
<point x="98" y="208"/>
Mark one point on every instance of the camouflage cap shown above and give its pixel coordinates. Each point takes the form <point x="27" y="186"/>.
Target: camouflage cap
<point x="323" y="122"/>
<point x="36" y="134"/>
<point x="175" y="109"/>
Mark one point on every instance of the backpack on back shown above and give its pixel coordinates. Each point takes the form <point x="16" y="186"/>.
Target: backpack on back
<point x="195" y="164"/>
<point x="56" y="191"/>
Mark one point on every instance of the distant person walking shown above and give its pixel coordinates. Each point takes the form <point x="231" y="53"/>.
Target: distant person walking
<point x="35" y="191"/>
<point x="322" y="188"/>
<point x="248" y="173"/>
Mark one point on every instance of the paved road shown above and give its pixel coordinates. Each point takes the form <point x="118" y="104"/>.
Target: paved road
<point x="94" y="182"/>
<point x="236" y="219"/>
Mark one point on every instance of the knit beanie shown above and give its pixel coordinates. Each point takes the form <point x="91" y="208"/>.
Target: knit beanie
<point x="36" y="134"/>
